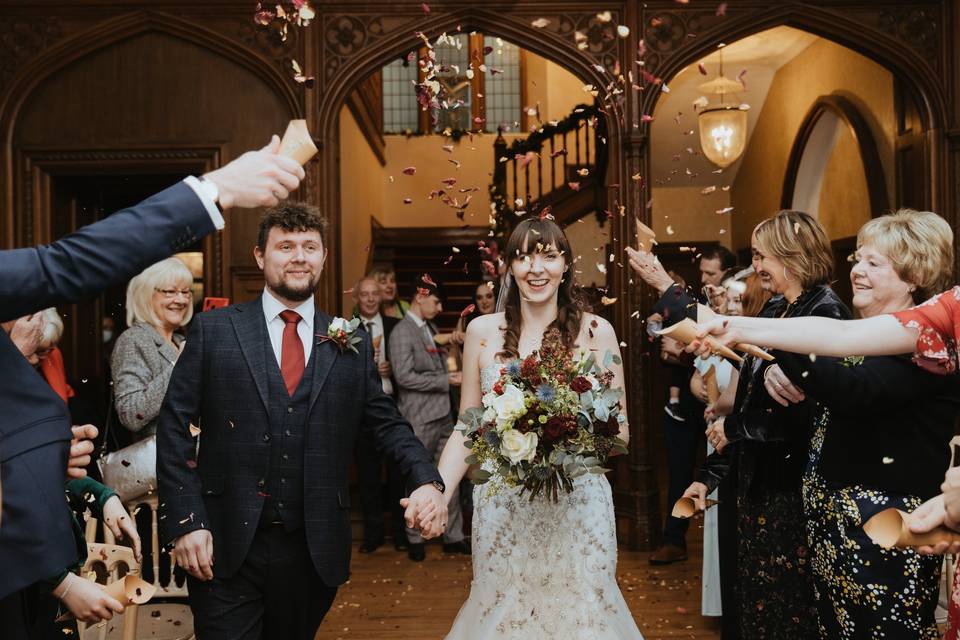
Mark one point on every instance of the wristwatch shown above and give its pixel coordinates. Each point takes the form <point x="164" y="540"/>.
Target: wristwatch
<point x="438" y="486"/>
<point x="211" y="190"/>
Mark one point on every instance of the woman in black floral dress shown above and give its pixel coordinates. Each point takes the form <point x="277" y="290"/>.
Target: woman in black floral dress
<point x="883" y="444"/>
<point x="768" y="443"/>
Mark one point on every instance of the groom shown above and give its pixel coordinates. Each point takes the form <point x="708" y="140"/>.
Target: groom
<point x="260" y="516"/>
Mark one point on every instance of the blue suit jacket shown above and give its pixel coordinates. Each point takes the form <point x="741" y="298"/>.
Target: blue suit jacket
<point x="36" y="537"/>
<point x="220" y="384"/>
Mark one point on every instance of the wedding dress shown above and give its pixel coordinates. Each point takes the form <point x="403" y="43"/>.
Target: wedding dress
<point x="544" y="570"/>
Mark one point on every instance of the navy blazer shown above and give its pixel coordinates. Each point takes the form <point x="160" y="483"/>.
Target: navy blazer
<point x="36" y="536"/>
<point x="220" y="384"/>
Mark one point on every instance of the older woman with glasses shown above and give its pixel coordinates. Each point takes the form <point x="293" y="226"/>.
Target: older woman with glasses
<point x="159" y="302"/>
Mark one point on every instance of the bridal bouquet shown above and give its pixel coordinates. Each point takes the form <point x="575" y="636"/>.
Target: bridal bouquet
<point x="549" y="418"/>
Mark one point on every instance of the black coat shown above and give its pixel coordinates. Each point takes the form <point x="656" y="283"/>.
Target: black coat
<point x="220" y="384"/>
<point x="890" y="420"/>
<point x="36" y="534"/>
<point x="770" y="441"/>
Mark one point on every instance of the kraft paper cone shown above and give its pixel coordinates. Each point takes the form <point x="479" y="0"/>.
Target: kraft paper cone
<point x="646" y="238"/>
<point x="131" y="590"/>
<point x="713" y="389"/>
<point x="128" y="590"/>
<point x="442" y="338"/>
<point x="194" y="430"/>
<point x="687" y="507"/>
<point x="297" y="143"/>
<point x="685" y="331"/>
<point x="706" y="314"/>
<point x="376" y="341"/>
<point x="891" y="528"/>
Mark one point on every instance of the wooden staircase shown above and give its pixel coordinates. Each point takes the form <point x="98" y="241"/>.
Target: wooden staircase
<point x="414" y="251"/>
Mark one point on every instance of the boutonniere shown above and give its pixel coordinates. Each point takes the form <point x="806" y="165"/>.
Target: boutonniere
<point x="852" y="361"/>
<point x="343" y="333"/>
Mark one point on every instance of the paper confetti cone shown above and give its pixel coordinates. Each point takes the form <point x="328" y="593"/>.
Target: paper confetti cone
<point x="297" y="143"/>
<point x="687" y="507"/>
<point x="706" y="314"/>
<point x="646" y="238"/>
<point x="442" y="338"/>
<point x="376" y="341"/>
<point x="685" y="331"/>
<point x="891" y="528"/>
<point x="131" y="589"/>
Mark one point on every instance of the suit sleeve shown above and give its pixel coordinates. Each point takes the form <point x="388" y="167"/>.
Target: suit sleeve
<point x="391" y="431"/>
<point x="100" y="255"/>
<point x="876" y="384"/>
<point x="181" y="502"/>
<point x="402" y="346"/>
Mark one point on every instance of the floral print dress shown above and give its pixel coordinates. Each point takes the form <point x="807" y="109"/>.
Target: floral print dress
<point x="938" y="321"/>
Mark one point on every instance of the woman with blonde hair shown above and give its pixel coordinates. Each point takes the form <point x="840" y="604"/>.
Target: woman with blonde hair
<point x="159" y="303"/>
<point x="768" y="443"/>
<point x="390" y="304"/>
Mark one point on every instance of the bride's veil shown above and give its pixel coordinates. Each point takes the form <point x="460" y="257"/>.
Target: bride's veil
<point x="505" y="283"/>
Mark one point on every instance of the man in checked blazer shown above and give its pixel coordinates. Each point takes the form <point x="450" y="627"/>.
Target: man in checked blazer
<point x="260" y="517"/>
<point x="420" y="370"/>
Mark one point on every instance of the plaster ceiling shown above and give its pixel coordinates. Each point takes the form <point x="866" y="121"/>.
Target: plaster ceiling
<point x="675" y="143"/>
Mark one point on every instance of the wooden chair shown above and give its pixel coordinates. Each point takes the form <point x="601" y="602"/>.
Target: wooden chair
<point x="163" y="619"/>
<point x="110" y="562"/>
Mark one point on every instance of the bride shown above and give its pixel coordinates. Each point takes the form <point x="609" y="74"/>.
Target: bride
<point x="540" y="569"/>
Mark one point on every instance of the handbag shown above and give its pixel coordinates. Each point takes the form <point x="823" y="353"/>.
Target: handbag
<point x="131" y="471"/>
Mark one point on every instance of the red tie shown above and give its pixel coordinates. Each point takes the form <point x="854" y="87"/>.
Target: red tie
<point x="291" y="353"/>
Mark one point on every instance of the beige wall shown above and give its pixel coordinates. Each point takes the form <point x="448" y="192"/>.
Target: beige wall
<point x="361" y="199"/>
<point x="555" y="89"/>
<point x="589" y="244"/>
<point x="844" y="198"/>
<point x="823" y="68"/>
<point x="690" y="215"/>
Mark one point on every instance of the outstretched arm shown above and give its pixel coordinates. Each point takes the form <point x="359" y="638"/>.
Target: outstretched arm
<point x="876" y="336"/>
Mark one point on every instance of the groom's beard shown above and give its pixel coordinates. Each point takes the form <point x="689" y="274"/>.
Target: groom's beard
<point x="296" y="294"/>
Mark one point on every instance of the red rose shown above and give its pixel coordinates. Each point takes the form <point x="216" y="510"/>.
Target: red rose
<point x="581" y="384"/>
<point x="498" y="388"/>
<point x="554" y="429"/>
<point x="609" y="428"/>
<point x="528" y="367"/>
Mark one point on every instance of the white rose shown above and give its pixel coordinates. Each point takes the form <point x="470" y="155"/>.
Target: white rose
<point x="340" y="324"/>
<point x="518" y="446"/>
<point x="509" y="405"/>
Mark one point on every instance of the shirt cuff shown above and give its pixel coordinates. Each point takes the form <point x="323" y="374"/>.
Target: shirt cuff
<point x="215" y="216"/>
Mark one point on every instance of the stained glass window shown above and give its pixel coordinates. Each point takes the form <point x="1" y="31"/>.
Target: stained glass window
<point x="399" y="98"/>
<point x="502" y="94"/>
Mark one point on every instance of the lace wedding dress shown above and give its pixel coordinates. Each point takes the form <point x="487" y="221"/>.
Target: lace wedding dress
<point x="543" y="569"/>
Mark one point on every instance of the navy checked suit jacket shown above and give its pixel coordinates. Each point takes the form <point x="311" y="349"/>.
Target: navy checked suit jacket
<point x="36" y="535"/>
<point x="220" y="384"/>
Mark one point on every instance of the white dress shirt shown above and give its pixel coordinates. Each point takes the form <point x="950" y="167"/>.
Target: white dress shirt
<point x="271" y="312"/>
<point x="377" y="330"/>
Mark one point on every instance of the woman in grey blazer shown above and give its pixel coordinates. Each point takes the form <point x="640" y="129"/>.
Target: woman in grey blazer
<point x="159" y="302"/>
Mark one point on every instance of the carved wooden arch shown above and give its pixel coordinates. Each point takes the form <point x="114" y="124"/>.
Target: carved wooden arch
<point x="104" y="34"/>
<point x="361" y="64"/>
<point x="867" y="145"/>
<point x="907" y="64"/>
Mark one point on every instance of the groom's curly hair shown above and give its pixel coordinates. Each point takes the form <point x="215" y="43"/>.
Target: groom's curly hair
<point x="292" y="216"/>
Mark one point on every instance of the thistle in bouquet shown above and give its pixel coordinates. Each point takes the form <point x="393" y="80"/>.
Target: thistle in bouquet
<point x="549" y="419"/>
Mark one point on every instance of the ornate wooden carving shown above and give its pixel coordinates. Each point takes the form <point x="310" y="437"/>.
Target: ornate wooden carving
<point x="22" y="39"/>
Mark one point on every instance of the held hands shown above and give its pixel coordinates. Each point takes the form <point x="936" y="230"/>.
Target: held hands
<point x="426" y="510"/>
<point x="86" y="600"/>
<point x="697" y="491"/>
<point x="649" y="268"/>
<point x="780" y="388"/>
<point x="257" y="178"/>
<point x="720" y="329"/>
<point x="120" y="523"/>
<point x="193" y="553"/>
<point x="80" y="449"/>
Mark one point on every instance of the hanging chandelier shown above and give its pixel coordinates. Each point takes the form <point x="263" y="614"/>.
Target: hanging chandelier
<point x="723" y="127"/>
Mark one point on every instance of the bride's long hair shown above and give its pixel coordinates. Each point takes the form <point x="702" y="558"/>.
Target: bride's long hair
<point x="527" y="235"/>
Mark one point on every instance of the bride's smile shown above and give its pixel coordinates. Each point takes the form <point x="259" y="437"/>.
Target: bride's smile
<point x="539" y="273"/>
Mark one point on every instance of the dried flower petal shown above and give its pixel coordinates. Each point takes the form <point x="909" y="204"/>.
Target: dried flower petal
<point x="539" y="23"/>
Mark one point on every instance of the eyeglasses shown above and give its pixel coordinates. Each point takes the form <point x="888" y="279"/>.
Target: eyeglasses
<point x="170" y="294"/>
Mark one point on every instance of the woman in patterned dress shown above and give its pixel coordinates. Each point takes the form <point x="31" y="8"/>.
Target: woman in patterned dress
<point x="882" y="445"/>
<point x="768" y="443"/>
